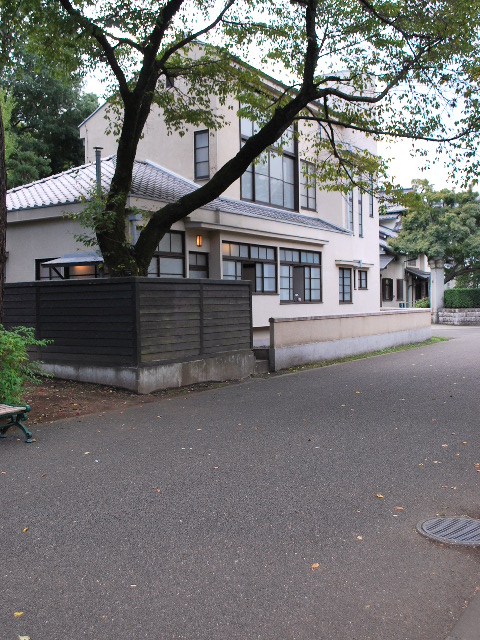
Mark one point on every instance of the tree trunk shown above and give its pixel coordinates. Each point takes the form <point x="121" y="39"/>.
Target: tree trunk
<point x="3" y="215"/>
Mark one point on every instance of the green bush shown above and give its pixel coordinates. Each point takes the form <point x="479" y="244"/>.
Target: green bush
<point x="424" y="303"/>
<point x="15" y="366"/>
<point x="462" y="298"/>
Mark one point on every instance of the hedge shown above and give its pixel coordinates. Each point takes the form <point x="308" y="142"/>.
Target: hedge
<point x="462" y="299"/>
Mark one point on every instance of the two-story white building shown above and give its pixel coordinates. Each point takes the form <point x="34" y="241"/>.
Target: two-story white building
<point x="306" y="252"/>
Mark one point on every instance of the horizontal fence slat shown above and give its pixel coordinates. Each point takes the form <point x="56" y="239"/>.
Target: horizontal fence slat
<point x="97" y="322"/>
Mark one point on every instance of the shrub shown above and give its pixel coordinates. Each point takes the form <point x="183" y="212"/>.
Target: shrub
<point x="462" y="298"/>
<point x="424" y="303"/>
<point x="15" y="366"/>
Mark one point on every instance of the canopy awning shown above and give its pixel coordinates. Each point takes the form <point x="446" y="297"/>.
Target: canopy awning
<point x="385" y="261"/>
<point x="74" y="260"/>
<point x="418" y="273"/>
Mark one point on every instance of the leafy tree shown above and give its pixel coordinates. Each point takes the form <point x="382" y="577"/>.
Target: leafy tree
<point x="442" y="224"/>
<point x="45" y="116"/>
<point x="407" y="62"/>
<point x="40" y="26"/>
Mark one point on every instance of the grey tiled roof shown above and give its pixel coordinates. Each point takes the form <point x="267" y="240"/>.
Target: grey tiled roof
<point x="149" y="181"/>
<point x="391" y="233"/>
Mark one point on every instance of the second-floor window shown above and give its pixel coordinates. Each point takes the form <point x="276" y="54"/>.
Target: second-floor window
<point x="308" y="186"/>
<point x="201" y="152"/>
<point x="360" y="213"/>
<point x="350" y="210"/>
<point x="273" y="178"/>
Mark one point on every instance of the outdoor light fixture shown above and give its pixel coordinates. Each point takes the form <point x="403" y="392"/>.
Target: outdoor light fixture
<point x="199" y="241"/>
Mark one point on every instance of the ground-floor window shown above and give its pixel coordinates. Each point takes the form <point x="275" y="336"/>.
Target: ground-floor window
<point x="198" y="264"/>
<point x="300" y="276"/>
<point x="399" y="289"/>
<point x="71" y="272"/>
<point x="252" y="262"/>
<point x="421" y="290"/>
<point x="44" y="272"/>
<point x="387" y="289"/>
<point x="169" y="259"/>
<point x="345" y="285"/>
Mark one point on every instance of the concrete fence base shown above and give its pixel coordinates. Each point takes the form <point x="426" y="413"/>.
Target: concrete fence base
<point x="297" y="341"/>
<point x="148" y="378"/>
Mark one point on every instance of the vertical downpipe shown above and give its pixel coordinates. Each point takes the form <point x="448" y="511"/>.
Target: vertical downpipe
<point x="98" y="171"/>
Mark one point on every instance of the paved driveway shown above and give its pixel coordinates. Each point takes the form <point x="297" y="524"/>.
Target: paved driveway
<point x="251" y="511"/>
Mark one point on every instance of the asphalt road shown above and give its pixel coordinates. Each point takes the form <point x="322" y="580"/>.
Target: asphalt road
<point x="251" y="511"/>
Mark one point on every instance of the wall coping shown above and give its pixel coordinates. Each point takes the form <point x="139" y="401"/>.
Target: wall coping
<point x="390" y="312"/>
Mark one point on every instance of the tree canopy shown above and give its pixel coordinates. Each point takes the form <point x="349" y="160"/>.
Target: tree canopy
<point x="30" y="26"/>
<point x="442" y="224"/>
<point x="383" y="67"/>
<point x="46" y="110"/>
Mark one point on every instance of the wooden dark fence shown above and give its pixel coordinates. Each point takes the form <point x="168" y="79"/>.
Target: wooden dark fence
<point x="131" y="321"/>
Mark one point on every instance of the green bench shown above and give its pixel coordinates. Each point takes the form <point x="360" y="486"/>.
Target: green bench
<point x="13" y="415"/>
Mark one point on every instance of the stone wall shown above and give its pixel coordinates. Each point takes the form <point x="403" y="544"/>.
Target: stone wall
<point x="459" y="316"/>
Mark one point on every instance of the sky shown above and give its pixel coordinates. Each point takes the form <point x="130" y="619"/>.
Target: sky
<point x="403" y="168"/>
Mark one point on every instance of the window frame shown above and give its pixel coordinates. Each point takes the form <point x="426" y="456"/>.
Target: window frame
<point x="196" y="148"/>
<point x="249" y="259"/>
<point x="253" y="169"/>
<point x="159" y="254"/>
<point x="192" y="268"/>
<point x="342" y="297"/>
<point x="306" y="266"/>
<point x="363" y="279"/>
<point x="360" y="213"/>
<point x="387" y="289"/>
<point x="400" y="289"/>
<point x="350" y="220"/>
<point x="371" y="199"/>
<point x="59" y="276"/>
<point x="305" y="188"/>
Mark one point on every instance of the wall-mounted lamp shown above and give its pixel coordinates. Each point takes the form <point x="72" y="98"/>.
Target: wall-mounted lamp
<point x="199" y="241"/>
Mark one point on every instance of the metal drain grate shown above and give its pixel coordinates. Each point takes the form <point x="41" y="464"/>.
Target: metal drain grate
<point x="464" y="531"/>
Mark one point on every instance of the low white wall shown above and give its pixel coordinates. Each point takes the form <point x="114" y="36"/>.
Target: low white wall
<point x="296" y="341"/>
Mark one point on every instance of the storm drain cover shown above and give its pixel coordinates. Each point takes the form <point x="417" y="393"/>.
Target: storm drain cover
<point x="465" y="531"/>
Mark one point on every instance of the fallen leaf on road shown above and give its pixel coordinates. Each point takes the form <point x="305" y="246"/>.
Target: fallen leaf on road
<point x="398" y="508"/>
<point x="25" y="530"/>
<point x="464" y="442"/>
<point x="379" y="495"/>
<point x="18" y="614"/>
<point x="315" y="565"/>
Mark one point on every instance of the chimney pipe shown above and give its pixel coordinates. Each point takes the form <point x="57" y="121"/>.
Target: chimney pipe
<point x="98" y="167"/>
